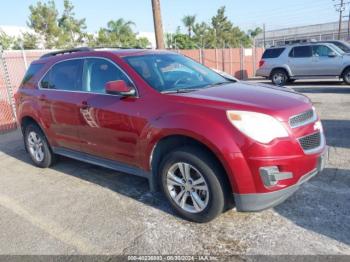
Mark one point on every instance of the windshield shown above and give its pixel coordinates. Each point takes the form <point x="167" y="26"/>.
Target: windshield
<point x="171" y="72"/>
<point x="341" y="46"/>
<point x="337" y="48"/>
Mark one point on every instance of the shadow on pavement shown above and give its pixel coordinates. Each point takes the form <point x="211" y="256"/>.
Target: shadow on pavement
<point x="322" y="205"/>
<point x="322" y="90"/>
<point x="318" y="83"/>
<point x="337" y="132"/>
<point x="129" y="185"/>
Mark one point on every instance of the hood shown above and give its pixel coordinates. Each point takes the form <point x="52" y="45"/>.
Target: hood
<point x="278" y="101"/>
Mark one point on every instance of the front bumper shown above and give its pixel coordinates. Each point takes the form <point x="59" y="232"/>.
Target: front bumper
<point x="260" y="201"/>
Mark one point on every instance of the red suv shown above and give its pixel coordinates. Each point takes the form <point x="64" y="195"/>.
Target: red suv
<point x="208" y="142"/>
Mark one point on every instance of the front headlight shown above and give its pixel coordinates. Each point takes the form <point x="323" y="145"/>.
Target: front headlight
<point x="260" y="127"/>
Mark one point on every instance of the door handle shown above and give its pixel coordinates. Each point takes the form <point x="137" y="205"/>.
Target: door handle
<point x="84" y="105"/>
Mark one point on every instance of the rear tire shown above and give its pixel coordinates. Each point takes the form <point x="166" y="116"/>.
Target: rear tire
<point x="346" y="76"/>
<point x="193" y="184"/>
<point x="37" y="146"/>
<point x="279" y="77"/>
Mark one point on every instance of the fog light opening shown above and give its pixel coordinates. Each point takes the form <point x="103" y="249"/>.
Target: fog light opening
<point x="271" y="175"/>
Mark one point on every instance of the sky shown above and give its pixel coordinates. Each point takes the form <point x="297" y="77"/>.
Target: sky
<point x="245" y="14"/>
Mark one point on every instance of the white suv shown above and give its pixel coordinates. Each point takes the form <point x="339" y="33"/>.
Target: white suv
<point x="304" y="61"/>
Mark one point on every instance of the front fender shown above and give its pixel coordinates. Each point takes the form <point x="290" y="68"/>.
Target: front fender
<point x="216" y="133"/>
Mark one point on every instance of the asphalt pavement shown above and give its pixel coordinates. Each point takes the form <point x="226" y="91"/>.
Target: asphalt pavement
<point x="77" y="208"/>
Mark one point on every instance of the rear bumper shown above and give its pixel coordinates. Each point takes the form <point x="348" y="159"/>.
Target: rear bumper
<point x="264" y="72"/>
<point x="260" y="201"/>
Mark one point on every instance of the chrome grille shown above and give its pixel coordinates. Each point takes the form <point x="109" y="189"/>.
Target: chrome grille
<point x="302" y="119"/>
<point x="310" y="142"/>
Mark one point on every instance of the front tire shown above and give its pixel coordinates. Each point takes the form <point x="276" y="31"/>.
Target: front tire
<point x="346" y="76"/>
<point x="193" y="184"/>
<point x="279" y="77"/>
<point x="37" y="146"/>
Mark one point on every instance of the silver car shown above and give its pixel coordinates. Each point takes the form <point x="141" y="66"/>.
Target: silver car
<point x="304" y="61"/>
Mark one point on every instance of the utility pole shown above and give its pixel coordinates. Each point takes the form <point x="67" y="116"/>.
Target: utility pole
<point x="264" y="33"/>
<point x="348" y="26"/>
<point x="340" y="7"/>
<point x="158" y="26"/>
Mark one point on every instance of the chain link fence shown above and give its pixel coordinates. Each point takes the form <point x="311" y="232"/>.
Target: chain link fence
<point x="239" y="62"/>
<point x="13" y="65"/>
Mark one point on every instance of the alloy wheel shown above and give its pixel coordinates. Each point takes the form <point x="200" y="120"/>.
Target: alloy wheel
<point x="279" y="78"/>
<point x="347" y="77"/>
<point x="36" y="146"/>
<point x="187" y="187"/>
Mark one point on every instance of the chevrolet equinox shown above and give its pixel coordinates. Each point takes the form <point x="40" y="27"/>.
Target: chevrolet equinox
<point x="208" y="142"/>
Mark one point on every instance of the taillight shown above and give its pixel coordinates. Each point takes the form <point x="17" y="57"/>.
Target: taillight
<point x="261" y="63"/>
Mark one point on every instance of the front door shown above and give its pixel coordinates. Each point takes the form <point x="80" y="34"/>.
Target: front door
<point x="323" y="63"/>
<point x="110" y="125"/>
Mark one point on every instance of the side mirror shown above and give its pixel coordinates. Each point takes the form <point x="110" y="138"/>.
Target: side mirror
<point x="119" y="87"/>
<point x="332" y="54"/>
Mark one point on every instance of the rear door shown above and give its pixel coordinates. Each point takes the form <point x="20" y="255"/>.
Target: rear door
<point x="60" y="96"/>
<point x="323" y="63"/>
<point x="300" y="60"/>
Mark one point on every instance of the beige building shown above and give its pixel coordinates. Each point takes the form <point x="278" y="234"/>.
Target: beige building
<point x="326" y="31"/>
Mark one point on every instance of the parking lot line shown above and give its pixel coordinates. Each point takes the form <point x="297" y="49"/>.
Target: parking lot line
<point x="55" y="230"/>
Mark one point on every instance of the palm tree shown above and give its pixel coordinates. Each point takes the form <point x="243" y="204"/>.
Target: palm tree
<point x="189" y="21"/>
<point x="120" y="27"/>
<point x="120" y="32"/>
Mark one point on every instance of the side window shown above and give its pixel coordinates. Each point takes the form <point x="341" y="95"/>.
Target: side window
<point x="97" y="72"/>
<point x="66" y="75"/>
<point x="273" y="53"/>
<point x="321" y="50"/>
<point x="31" y="72"/>
<point x="301" y="52"/>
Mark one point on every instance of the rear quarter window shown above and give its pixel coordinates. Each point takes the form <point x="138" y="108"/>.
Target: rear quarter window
<point x="64" y="75"/>
<point x="31" y="72"/>
<point x="273" y="53"/>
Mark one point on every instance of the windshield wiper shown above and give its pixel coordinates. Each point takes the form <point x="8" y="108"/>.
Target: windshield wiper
<point x="219" y="84"/>
<point x="179" y="90"/>
<point x="186" y="90"/>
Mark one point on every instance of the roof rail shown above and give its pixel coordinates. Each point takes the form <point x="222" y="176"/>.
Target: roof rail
<point x="295" y="42"/>
<point x="67" y="51"/>
<point x="120" y="47"/>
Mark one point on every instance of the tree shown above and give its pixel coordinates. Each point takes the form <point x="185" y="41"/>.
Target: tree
<point x="227" y="35"/>
<point x="72" y="29"/>
<point x="189" y="22"/>
<point x="43" y="20"/>
<point x="183" y="41"/>
<point x="6" y="41"/>
<point x="220" y="33"/>
<point x="119" y="33"/>
<point x="142" y="42"/>
<point x="222" y="28"/>
<point x="202" y="34"/>
<point x="255" y="32"/>
<point x="26" y="41"/>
